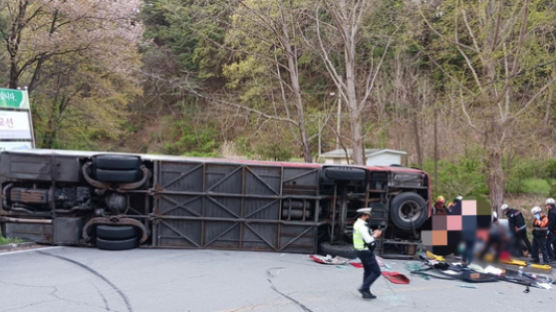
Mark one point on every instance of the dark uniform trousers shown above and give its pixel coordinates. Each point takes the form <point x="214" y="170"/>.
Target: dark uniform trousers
<point x="370" y="266"/>
<point x="551" y="245"/>
<point x="539" y="242"/>
<point x="521" y="236"/>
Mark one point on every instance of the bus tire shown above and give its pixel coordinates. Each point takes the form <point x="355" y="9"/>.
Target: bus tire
<point x="116" y="162"/>
<point x="342" y="250"/>
<point x="408" y="211"/>
<point x="118" y="176"/>
<point x="116" y="232"/>
<point x="122" y="244"/>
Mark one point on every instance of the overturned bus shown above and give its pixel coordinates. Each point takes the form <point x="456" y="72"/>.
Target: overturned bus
<point x="120" y="201"/>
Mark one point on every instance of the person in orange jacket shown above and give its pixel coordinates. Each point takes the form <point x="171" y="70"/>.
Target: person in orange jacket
<point x="540" y="226"/>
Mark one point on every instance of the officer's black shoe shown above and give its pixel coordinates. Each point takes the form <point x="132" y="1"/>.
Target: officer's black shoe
<point x="369" y="296"/>
<point x="366" y="294"/>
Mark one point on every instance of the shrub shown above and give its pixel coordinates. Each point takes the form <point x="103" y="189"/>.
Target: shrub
<point x="531" y="176"/>
<point x="187" y="138"/>
<point x="463" y="177"/>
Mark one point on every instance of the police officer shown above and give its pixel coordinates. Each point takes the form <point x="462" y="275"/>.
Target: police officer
<point x="364" y="243"/>
<point x="517" y="227"/>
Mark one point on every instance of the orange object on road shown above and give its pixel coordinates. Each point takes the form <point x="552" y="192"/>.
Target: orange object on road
<point x="395" y="277"/>
<point x="514" y="262"/>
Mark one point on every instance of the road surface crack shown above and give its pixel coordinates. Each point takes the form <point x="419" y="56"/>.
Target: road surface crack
<point x="270" y="275"/>
<point x="97" y="274"/>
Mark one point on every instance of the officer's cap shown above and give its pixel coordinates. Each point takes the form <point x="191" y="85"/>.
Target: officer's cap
<point x="366" y="211"/>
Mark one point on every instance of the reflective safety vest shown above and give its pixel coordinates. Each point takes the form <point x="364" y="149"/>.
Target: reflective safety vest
<point x="358" y="242"/>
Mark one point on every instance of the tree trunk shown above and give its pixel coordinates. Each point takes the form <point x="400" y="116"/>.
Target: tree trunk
<point x="495" y="172"/>
<point x="294" y="79"/>
<point x="14" y="76"/>
<point x="13" y="42"/>
<point x="357" y="151"/>
<point x="415" y="125"/>
<point x="291" y="55"/>
<point x="495" y="178"/>
<point x="296" y="89"/>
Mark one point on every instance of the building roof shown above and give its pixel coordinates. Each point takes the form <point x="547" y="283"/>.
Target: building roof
<point x="369" y="152"/>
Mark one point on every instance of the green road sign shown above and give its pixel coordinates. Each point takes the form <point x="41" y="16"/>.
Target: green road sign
<point x="14" y="98"/>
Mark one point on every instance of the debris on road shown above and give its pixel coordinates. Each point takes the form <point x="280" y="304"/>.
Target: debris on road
<point x="467" y="286"/>
<point x="477" y="274"/>
<point x="329" y="259"/>
<point x="395" y="277"/>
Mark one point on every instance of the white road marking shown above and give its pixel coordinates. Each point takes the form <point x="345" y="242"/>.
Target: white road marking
<point x="28" y="250"/>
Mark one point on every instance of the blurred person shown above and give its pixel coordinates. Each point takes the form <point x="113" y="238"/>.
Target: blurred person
<point x="455" y="203"/>
<point x="468" y="237"/>
<point x="497" y="238"/>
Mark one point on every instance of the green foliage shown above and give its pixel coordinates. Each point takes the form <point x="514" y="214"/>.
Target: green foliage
<point x="186" y="137"/>
<point x="551" y="169"/>
<point x="274" y="151"/>
<point x="536" y="186"/>
<point x="530" y="176"/>
<point x="89" y="99"/>
<point x="87" y="107"/>
<point x="189" y="29"/>
<point x="462" y="177"/>
<point x="551" y="180"/>
<point x="264" y="145"/>
<point x="465" y="176"/>
<point x="5" y="241"/>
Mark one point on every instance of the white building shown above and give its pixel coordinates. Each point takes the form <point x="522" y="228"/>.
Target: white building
<point x="374" y="157"/>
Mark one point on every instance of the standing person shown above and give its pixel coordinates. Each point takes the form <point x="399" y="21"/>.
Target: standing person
<point x="497" y="238"/>
<point x="452" y="207"/>
<point x="468" y="236"/>
<point x="540" y="224"/>
<point x="551" y="237"/>
<point x="518" y="227"/>
<point x="364" y="243"/>
<point x="439" y="207"/>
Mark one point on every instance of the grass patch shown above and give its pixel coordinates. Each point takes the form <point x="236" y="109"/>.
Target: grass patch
<point x="536" y="186"/>
<point x="5" y="241"/>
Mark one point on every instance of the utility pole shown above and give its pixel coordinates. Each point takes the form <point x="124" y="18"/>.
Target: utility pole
<point x="320" y="140"/>
<point x="339" y="120"/>
<point x="435" y="148"/>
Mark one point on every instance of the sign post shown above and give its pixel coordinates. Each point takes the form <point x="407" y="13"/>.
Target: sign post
<point x="16" y="123"/>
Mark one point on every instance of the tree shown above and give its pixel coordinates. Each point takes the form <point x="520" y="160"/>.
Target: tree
<point x="356" y="74"/>
<point x="266" y="35"/>
<point x="81" y="58"/>
<point x="495" y="64"/>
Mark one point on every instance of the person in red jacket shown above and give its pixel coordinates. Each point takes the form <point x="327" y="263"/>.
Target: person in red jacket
<point x="540" y="225"/>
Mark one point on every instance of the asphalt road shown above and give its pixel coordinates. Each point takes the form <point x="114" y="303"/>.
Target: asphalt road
<point x="86" y="279"/>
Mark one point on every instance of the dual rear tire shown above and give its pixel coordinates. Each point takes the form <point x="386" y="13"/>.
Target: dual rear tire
<point x="117" y="168"/>
<point x="116" y="237"/>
